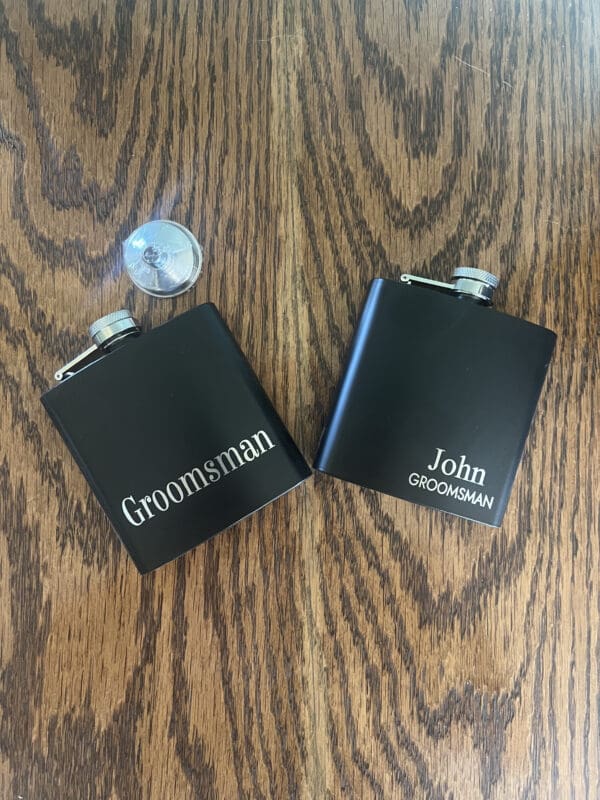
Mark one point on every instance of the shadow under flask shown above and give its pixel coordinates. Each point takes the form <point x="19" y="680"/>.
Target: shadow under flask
<point x="173" y="431"/>
<point x="437" y="396"/>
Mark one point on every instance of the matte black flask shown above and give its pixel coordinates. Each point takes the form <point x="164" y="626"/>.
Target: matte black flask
<point x="437" y="396"/>
<point x="173" y="432"/>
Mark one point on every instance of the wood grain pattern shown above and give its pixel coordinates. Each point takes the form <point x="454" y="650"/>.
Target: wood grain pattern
<point x="339" y="643"/>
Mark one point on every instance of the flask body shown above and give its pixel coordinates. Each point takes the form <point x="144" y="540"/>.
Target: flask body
<point x="176" y="436"/>
<point x="436" y="400"/>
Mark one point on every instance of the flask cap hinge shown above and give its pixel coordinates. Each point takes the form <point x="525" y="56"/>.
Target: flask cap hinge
<point x="105" y="333"/>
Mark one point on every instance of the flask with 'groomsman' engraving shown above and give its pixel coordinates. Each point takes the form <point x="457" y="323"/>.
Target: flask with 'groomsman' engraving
<point x="173" y="431"/>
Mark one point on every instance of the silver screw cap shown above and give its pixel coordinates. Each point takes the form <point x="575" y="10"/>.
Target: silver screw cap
<point x="114" y="325"/>
<point x="475" y="282"/>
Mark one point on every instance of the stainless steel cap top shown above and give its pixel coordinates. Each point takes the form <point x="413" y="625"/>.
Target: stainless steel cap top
<point x="117" y="324"/>
<point x="477" y="275"/>
<point x="475" y="282"/>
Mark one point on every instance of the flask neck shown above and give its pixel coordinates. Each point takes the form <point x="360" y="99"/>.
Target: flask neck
<point x="108" y="333"/>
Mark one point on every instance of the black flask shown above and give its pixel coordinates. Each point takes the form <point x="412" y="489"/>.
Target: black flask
<point x="173" y="431"/>
<point x="437" y="396"/>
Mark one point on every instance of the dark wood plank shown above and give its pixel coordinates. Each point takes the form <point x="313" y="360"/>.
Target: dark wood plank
<point x="339" y="643"/>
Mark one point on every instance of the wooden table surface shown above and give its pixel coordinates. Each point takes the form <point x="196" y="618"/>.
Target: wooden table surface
<point x="339" y="643"/>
